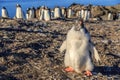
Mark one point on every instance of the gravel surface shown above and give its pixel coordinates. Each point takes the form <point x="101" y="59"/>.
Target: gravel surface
<point x="29" y="50"/>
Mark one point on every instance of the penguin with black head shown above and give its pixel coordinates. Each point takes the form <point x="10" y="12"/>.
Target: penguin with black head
<point x="4" y="13"/>
<point x="19" y="12"/>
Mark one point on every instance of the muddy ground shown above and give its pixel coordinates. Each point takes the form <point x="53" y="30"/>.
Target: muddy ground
<point x="29" y="50"/>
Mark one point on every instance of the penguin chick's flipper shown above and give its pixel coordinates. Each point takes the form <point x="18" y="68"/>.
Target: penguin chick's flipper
<point x="94" y="51"/>
<point x="69" y="69"/>
<point x="88" y="73"/>
<point x="63" y="46"/>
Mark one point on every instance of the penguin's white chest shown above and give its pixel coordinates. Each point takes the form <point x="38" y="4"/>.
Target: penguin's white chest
<point x="27" y="16"/>
<point x="79" y="44"/>
<point x="82" y="13"/>
<point x="47" y="15"/>
<point x="42" y="14"/>
<point x="30" y="14"/>
<point x="19" y="13"/>
<point x="70" y="12"/>
<point x="57" y="13"/>
<point x="4" y="13"/>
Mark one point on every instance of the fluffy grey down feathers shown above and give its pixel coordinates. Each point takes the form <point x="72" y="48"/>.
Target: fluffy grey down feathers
<point x="78" y="46"/>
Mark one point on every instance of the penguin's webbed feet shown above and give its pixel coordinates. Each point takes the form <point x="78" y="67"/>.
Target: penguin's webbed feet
<point x="69" y="69"/>
<point x="88" y="73"/>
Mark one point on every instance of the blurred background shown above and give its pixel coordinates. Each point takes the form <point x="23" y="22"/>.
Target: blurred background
<point x="11" y="4"/>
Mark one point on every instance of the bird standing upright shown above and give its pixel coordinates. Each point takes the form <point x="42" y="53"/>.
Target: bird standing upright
<point x="4" y="13"/>
<point x="78" y="46"/>
<point x="19" y="12"/>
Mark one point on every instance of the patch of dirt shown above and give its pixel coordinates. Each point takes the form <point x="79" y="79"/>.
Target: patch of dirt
<point x="34" y="54"/>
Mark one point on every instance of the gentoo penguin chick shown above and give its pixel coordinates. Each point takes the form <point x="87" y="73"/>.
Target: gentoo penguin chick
<point x="19" y="12"/>
<point x="78" y="47"/>
<point x="4" y="13"/>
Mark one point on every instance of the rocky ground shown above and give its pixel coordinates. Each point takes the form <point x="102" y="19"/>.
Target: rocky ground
<point x="29" y="50"/>
<point x="98" y="11"/>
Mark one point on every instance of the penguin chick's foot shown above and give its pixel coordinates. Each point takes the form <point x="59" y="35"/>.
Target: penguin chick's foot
<point x="88" y="73"/>
<point x="69" y="69"/>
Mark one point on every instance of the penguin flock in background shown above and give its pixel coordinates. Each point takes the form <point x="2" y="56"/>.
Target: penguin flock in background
<point x="41" y="13"/>
<point x="85" y="14"/>
<point x="47" y="14"/>
<point x="78" y="43"/>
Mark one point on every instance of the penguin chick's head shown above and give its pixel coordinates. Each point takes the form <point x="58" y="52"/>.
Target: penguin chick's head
<point x="82" y="27"/>
<point x="80" y="24"/>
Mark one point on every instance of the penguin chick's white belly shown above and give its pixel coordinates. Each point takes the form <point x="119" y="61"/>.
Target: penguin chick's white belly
<point x="74" y="48"/>
<point x="78" y="49"/>
<point x="79" y="56"/>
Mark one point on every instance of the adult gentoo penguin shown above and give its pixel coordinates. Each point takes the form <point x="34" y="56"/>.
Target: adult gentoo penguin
<point x="78" y="47"/>
<point x="70" y="13"/>
<point x="64" y="12"/>
<point x="4" y="13"/>
<point x="52" y="14"/>
<point x="47" y="14"/>
<point x="42" y="13"/>
<point x="27" y="13"/>
<point x="37" y="12"/>
<point x="19" y="12"/>
<point x="110" y="16"/>
<point x="57" y="12"/>
<point x="31" y="13"/>
<point x="78" y="14"/>
<point x="82" y="13"/>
